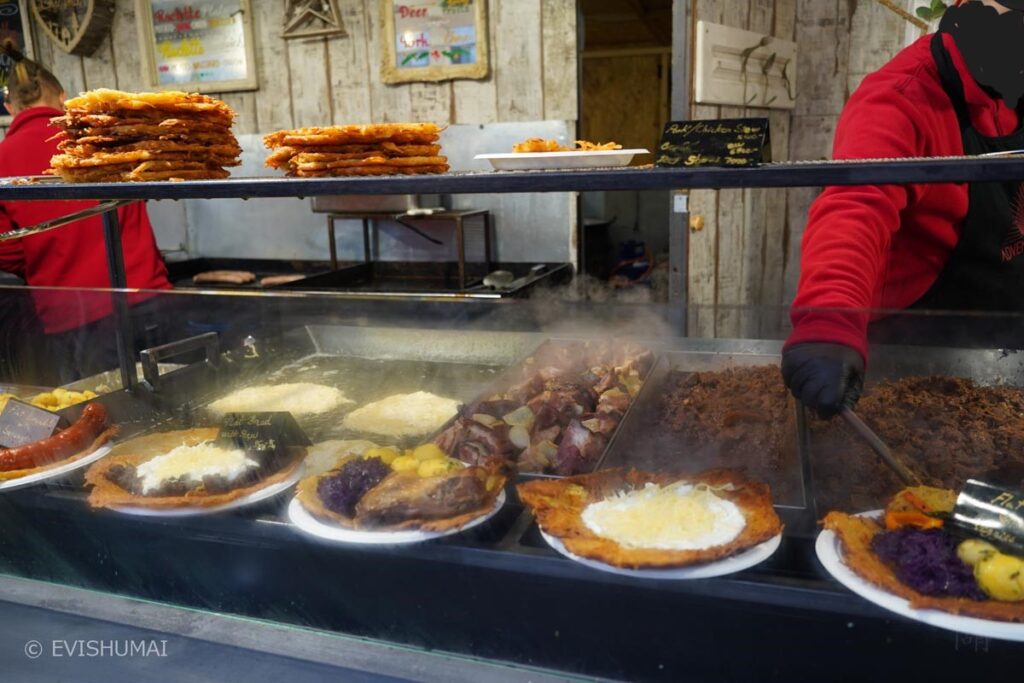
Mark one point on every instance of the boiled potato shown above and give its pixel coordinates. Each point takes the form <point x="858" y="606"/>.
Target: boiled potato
<point x="405" y="463"/>
<point x="1001" y="577"/>
<point x="59" y="399"/>
<point x="434" y="467"/>
<point x="428" y="451"/>
<point x="385" y="453"/>
<point x="974" y="551"/>
<point x="47" y="400"/>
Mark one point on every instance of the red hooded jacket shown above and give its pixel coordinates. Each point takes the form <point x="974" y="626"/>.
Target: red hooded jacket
<point x="75" y="255"/>
<point x="883" y="247"/>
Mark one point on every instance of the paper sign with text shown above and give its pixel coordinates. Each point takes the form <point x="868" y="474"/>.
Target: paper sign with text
<point x="21" y="423"/>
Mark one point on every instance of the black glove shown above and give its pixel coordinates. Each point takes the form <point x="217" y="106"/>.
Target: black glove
<point x="825" y="377"/>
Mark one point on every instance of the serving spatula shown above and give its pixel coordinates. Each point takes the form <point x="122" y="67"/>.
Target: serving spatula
<point x="879" y="447"/>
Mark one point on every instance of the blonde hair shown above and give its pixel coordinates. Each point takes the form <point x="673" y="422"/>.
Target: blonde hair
<point x="28" y="82"/>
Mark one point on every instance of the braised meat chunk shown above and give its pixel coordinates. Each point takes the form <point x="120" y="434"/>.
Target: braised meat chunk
<point x="402" y="497"/>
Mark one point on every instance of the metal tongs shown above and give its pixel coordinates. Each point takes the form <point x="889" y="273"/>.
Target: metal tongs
<point x="887" y="456"/>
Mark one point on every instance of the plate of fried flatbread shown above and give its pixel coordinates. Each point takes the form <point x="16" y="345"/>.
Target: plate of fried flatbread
<point x="849" y="548"/>
<point x="187" y="472"/>
<point x="387" y="497"/>
<point x="661" y="526"/>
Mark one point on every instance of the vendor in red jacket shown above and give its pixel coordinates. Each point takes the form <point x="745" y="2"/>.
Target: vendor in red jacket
<point x="75" y="255"/>
<point x="80" y="334"/>
<point x="930" y="247"/>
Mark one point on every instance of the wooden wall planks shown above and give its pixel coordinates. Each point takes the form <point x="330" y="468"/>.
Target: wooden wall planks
<point x="748" y="251"/>
<point x="518" y="59"/>
<point x="840" y="43"/>
<point x="310" y="82"/>
<point x="737" y="259"/>
<point x="337" y="80"/>
<point x="559" y="42"/>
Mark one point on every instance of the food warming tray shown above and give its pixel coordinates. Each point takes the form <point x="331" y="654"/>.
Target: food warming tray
<point x="512" y="375"/>
<point x="412" y="278"/>
<point x="181" y="273"/>
<point x="366" y="363"/>
<point x="642" y="442"/>
<point x="828" y="442"/>
<point x="783" y="599"/>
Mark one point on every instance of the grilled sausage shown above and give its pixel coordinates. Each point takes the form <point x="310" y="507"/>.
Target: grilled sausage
<point x="64" y="444"/>
<point x="229" y="277"/>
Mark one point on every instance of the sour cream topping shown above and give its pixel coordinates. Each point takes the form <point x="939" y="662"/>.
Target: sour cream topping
<point x="192" y="463"/>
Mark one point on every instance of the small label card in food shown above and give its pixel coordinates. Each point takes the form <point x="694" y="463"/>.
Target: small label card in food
<point x="715" y="142"/>
<point x="21" y="423"/>
<point x="261" y="432"/>
<point x="993" y="513"/>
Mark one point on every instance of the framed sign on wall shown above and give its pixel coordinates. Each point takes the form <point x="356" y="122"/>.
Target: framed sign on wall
<point x="197" y="45"/>
<point x="75" y="26"/>
<point x="433" y="40"/>
<point x="14" y="27"/>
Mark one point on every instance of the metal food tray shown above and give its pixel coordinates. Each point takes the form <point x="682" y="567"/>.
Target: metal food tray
<point x="888" y="362"/>
<point x="181" y="272"/>
<point x="512" y="374"/>
<point x="637" y="445"/>
<point x="110" y="381"/>
<point x="411" y="278"/>
<point x="23" y="390"/>
<point x="371" y="363"/>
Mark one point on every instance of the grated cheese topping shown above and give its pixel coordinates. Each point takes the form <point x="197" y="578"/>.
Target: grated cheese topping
<point x="677" y="517"/>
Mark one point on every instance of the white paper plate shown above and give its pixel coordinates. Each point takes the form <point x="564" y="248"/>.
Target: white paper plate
<point x="55" y="472"/>
<point x="309" y="524"/>
<point x="192" y="511"/>
<point x="730" y="565"/>
<point x="539" y="161"/>
<point x="830" y="553"/>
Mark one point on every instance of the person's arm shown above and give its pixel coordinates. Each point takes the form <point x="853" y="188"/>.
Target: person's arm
<point x="12" y="255"/>
<point x="849" y="229"/>
<point x="844" y="254"/>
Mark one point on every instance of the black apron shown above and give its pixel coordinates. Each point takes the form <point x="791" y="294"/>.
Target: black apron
<point x="985" y="272"/>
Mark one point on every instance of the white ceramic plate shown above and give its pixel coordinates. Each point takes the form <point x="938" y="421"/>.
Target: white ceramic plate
<point x="540" y="161"/>
<point x="730" y="565"/>
<point x="55" y="472"/>
<point x="830" y="553"/>
<point x="192" y="511"/>
<point x="309" y="524"/>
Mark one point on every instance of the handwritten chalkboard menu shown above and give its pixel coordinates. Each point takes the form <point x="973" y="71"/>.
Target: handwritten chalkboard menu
<point x="433" y="40"/>
<point x="994" y="513"/>
<point x="725" y="142"/>
<point x="261" y="432"/>
<point x="200" y="45"/>
<point x="21" y="423"/>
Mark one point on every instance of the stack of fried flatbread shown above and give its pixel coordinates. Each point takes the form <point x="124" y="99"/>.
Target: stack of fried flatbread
<point x="116" y="136"/>
<point x="375" y="149"/>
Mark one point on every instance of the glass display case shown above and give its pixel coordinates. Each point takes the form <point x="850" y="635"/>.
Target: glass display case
<point x="498" y="591"/>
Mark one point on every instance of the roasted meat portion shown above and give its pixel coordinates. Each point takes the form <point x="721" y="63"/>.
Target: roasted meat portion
<point x="407" y="496"/>
<point x="566" y="399"/>
<point x="473" y="442"/>
<point x="579" y="451"/>
<point x="559" y="414"/>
